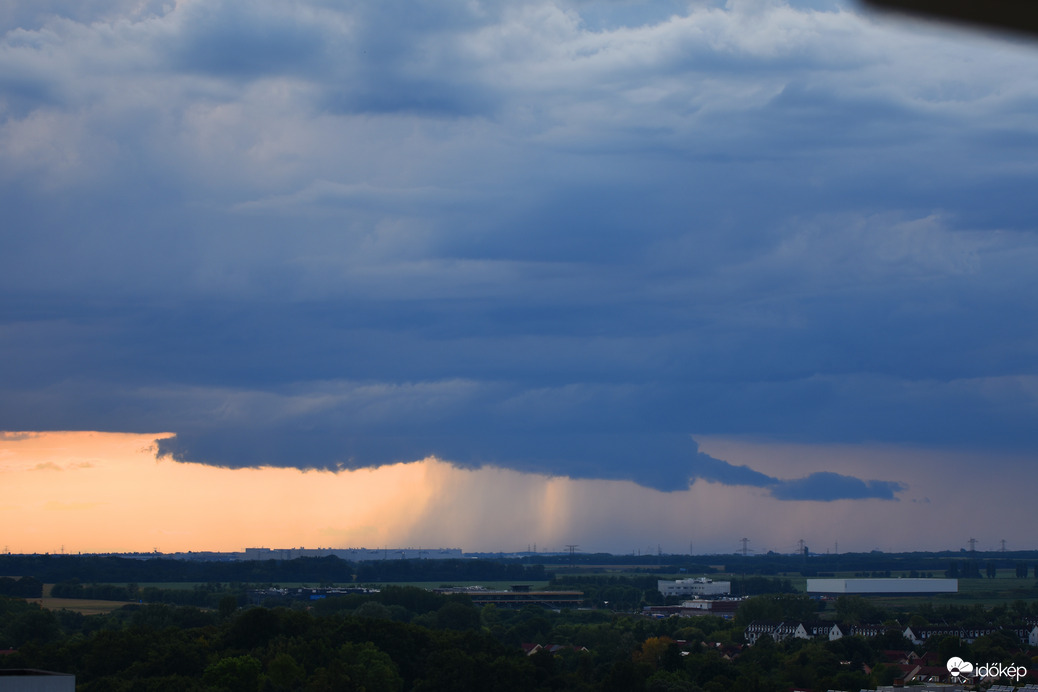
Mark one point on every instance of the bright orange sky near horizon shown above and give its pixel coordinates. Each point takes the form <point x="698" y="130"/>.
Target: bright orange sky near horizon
<point x="106" y="492"/>
<point x="94" y="492"/>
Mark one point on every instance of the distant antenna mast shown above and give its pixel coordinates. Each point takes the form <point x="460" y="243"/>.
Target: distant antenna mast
<point x="800" y="547"/>
<point x="745" y="546"/>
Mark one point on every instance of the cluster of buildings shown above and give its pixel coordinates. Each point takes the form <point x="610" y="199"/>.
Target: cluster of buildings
<point x="518" y="596"/>
<point x="708" y="598"/>
<point x="1027" y="633"/>
<point x="928" y="671"/>
<point x="531" y="648"/>
<point x="919" y="671"/>
<point x="697" y="586"/>
<point x="720" y="607"/>
<point x="832" y="631"/>
<point x="261" y="596"/>
<point x="816" y="630"/>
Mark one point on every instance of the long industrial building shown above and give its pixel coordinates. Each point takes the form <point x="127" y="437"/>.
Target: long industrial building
<point x="882" y="586"/>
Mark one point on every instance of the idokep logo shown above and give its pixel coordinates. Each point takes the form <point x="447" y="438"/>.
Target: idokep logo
<point x="964" y="669"/>
<point x="959" y="668"/>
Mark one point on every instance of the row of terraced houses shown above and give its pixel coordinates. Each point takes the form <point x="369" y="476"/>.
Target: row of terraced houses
<point x="917" y="635"/>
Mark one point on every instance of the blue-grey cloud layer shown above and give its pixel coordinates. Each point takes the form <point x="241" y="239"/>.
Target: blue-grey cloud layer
<point x="555" y="236"/>
<point x="823" y="486"/>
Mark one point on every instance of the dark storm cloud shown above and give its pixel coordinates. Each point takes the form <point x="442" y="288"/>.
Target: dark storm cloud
<point x="707" y="468"/>
<point x="827" y="486"/>
<point x="557" y="237"/>
<point x="823" y="486"/>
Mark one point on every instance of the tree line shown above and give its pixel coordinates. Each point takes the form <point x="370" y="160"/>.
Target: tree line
<point x="404" y="638"/>
<point x="328" y="570"/>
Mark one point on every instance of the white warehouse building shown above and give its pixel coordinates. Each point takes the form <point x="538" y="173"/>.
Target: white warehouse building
<point x="694" y="587"/>
<point x="882" y="586"/>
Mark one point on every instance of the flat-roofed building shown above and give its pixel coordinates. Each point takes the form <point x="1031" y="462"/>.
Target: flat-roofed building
<point x="720" y="607"/>
<point x="882" y="586"/>
<point x="29" y="680"/>
<point x="700" y="586"/>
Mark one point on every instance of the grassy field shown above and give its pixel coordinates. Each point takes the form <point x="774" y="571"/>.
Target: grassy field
<point x="85" y="606"/>
<point x="491" y="585"/>
<point x="1002" y="590"/>
<point x="79" y="605"/>
<point x="94" y="607"/>
<point x="421" y="584"/>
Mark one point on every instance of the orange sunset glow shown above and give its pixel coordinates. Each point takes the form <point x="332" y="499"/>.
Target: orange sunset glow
<point x="107" y="492"/>
<point x="92" y="492"/>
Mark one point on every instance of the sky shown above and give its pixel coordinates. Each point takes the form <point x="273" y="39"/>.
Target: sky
<point x="615" y="273"/>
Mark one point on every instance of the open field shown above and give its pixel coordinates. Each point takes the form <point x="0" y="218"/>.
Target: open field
<point x="86" y="606"/>
<point x="566" y="567"/>
<point x="435" y="584"/>
<point x="94" y="607"/>
<point x="79" y="605"/>
<point x="491" y="585"/>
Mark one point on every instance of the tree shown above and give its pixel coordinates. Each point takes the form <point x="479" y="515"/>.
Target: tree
<point x="653" y="650"/>
<point x="666" y="681"/>
<point x="884" y="675"/>
<point x="892" y="639"/>
<point x="228" y="604"/>
<point x="855" y="610"/>
<point x="457" y="616"/>
<point x="34" y="625"/>
<point x="234" y="674"/>
<point x="948" y="647"/>
<point x="26" y="587"/>
<point x="372" y="609"/>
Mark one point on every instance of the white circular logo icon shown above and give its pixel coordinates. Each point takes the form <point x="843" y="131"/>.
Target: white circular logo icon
<point x="957" y="667"/>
